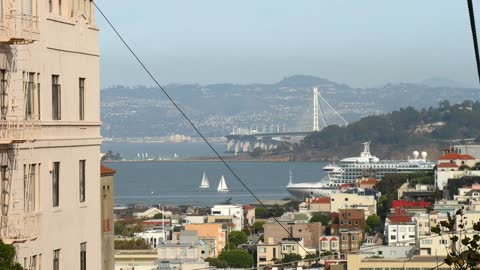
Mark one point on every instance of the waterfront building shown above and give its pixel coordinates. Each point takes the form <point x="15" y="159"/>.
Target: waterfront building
<point x="50" y="134"/>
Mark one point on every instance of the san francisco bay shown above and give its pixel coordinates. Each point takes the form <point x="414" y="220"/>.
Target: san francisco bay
<point x="178" y="182"/>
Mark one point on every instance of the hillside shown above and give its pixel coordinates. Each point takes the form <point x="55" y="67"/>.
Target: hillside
<point x="217" y="108"/>
<point x="397" y="134"/>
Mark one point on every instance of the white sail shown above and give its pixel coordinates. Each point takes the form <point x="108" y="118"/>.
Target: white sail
<point x="205" y="183"/>
<point x="222" y="185"/>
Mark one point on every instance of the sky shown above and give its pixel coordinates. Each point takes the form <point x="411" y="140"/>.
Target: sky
<point x="361" y="43"/>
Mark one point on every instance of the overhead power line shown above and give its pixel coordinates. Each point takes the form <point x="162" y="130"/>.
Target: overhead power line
<point x="471" y="14"/>
<point x="229" y="168"/>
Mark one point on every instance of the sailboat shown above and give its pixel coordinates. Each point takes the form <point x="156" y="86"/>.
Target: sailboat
<point x="205" y="183"/>
<point x="222" y="186"/>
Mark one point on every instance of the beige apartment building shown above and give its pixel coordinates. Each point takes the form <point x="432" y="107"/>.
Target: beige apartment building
<point x="50" y="133"/>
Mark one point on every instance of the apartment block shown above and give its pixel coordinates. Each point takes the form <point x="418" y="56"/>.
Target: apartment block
<point x="50" y="134"/>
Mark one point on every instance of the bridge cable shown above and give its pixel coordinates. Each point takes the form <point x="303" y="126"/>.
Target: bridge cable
<point x="471" y="14"/>
<point x="193" y="125"/>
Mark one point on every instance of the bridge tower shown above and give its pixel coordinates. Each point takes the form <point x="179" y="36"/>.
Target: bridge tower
<point x="315" y="109"/>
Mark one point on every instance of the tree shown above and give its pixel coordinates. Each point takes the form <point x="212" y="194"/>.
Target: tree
<point x="373" y="221"/>
<point x="258" y="226"/>
<point x="158" y="216"/>
<point x="237" y="258"/>
<point x="7" y="258"/>
<point x="216" y="262"/>
<point x="320" y="218"/>
<point x="237" y="238"/>
<point x="464" y="251"/>
<point x="131" y="244"/>
<point x="287" y="258"/>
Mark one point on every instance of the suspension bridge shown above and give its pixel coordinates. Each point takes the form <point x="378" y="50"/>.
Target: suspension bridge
<point x="246" y="140"/>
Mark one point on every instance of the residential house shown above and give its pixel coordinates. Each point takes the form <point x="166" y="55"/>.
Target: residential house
<point x="212" y="234"/>
<point x="309" y="232"/>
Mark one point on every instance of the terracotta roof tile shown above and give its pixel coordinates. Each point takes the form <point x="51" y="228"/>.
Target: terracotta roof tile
<point x="447" y="165"/>
<point x="451" y="156"/>
<point x="104" y="170"/>
<point x="321" y="200"/>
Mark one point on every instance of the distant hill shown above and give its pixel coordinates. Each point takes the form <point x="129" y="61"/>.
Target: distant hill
<point x="442" y="82"/>
<point x="397" y="134"/>
<point x="218" y="108"/>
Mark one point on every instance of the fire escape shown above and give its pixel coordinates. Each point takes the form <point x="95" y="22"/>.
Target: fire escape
<point x="18" y="122"/>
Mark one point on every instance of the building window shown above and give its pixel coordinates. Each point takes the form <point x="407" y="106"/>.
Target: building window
<point x="30" y="97"/>
<point x="82" y="180"/>
<point x="393" y="237"/>
<point x="55" y="183"/>
<point x="50" y="6"/>
<point x="81" y="88"/>
<point x="3" y="95"/>
<point x="60" y="7"/>
<point x="56" y="259"/>
<point x="83" y="256"/>
<point x="56" y="98"/>
<point x="262" y="250"/>
<point x="29" y="172"/>
<point x="3" y="186"/>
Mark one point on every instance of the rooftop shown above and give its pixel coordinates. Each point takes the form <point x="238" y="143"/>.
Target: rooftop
<point x="451" y="156"/>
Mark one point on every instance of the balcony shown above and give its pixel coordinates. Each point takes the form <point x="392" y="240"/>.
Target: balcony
<point x="18" y="29"/>
<point x="19" y="228"/>
<point x="17" y="131"/>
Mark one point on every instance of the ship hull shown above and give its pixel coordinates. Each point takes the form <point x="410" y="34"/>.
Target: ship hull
<point x="307" y="192"/>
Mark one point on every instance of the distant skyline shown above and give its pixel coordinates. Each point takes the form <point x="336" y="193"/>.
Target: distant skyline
<point x="360" y="43"/>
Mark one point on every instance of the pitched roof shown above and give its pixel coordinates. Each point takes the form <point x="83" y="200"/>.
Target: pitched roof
<point x="409" y="204"/>
<point x="321" y="200"/>
<point x="104" y="170"/>
<point x="369" y="181"/>
<point x="451" y="156"/>
<point x="248" y="207"/>
<point x="400" y="219"/>
<point x="447" y="165"/>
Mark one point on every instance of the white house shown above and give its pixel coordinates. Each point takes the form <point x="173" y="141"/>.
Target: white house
<point x="235" y="211"/>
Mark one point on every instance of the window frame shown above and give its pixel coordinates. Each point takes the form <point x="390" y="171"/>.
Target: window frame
<point x="81" y="99"/>
<point x="56" y="184"/>
<point x="82" y="180"/>
<point x="56" y="98"/>
<point x="83" y="256"/>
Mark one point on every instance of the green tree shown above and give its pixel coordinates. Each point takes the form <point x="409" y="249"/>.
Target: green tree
<point x="158" y="216"/>
<point x="464" y="251"/>
<point x="237" y="238"/>
<point x="319" y="218"/>
<point x="258" y="226"/>
<point x="7" y="257"/>
<point x="216" y="262"/>
<point x="373" y="221"/>
<point x="261" y="212"/>
<point x="131" y="244"/>
<point x="287" y="258"/>
<point x="237" y="258"/>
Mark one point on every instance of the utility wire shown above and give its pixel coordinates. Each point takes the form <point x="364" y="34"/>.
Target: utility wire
<point x="192" y="124"/>
<point x="474" y="35"/>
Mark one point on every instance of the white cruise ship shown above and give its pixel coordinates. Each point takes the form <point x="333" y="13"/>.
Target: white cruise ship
<point x="350" y="169"/>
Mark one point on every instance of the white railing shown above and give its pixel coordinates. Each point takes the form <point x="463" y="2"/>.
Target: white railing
<point x="19" y="28"/>
<point x="18" y="130"/>
<point x="19" y="227"/>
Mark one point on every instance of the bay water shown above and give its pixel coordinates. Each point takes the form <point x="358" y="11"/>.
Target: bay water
<point x="177" y="182"/>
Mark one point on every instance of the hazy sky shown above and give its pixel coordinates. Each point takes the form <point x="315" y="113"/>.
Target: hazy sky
<point x="361" y="43"/>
